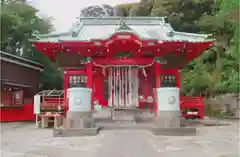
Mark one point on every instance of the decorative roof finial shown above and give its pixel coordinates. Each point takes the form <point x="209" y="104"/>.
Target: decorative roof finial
<point x="35" y="34"/>
<point x="122" y="22"/>
<point x="123" y="25"/>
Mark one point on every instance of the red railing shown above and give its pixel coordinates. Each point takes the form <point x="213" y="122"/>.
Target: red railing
<point x="187" y="102"/>
<point x="52" y="102"/>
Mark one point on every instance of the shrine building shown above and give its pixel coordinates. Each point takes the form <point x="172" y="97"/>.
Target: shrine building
<point x="124" y="60"/>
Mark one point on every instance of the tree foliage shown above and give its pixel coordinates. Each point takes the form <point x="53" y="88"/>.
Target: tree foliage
<point x="217" y="70"/>
<point x="19" y="21"/>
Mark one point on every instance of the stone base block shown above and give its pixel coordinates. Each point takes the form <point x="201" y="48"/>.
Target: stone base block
<point x="79" y="120"/>
<point x="168" y="119"/>
<point x="64" y="132"/>
<point x="174" y="131"/>
<point x="124" y="126"/>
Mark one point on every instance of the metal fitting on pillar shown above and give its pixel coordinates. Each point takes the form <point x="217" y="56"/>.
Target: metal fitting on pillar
<point x="158" y="60"/>
<point x="89" y="59"/>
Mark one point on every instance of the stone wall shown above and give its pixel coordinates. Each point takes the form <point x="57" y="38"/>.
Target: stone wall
<point x="226" y="103"/>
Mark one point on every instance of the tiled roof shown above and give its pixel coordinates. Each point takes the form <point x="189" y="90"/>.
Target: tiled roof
<point x="146" y="28"/>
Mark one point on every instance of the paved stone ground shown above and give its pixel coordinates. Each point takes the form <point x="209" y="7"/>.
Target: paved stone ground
<point x="24" y="140"/>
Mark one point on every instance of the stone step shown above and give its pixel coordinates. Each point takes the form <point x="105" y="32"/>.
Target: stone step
<point x="122" y="126"/>
<point x="124" y="117"/>
<point x="124" y="114"/>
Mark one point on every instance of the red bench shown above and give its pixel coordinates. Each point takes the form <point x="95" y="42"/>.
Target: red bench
<point x="52" y="102"/>
<point x="186" y="103"/>
<point x="192" y="103"/>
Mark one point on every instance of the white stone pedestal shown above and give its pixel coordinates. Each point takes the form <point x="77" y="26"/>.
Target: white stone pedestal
<point x="168" y="108"/>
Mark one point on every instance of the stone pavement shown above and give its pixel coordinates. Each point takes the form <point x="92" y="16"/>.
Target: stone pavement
<point x="24" y="140"/>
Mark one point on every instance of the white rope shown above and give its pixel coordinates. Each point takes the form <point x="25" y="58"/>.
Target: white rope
<point x="130" y="86"/>
<point x="114" y="87"/>
<point x="144" y="72"/>
<point x="118" y="86"/>
<point x="104" y="71"/>
<point x="111" y="73"/>
<point x="134" y="86"/>
<point x="118" y="78"/>
<point x="122" y="89"/>
<point x="137" y="85"/>
<point x="111" y="91"/>
<point x="126" y="85"/>
<point x="110" y="65"/>
<point x="110" y="87"/>
<point x="123" y="86"/>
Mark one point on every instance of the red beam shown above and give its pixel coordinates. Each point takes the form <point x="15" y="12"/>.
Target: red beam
<point x="114" y="44"/>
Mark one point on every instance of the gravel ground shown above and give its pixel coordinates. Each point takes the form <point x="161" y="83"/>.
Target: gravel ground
<point x="24" y="140"/>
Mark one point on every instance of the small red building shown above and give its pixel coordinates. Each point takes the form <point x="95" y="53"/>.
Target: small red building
<point x="19" y="83"/>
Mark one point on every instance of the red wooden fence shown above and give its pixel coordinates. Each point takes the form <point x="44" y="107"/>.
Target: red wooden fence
<point x="24" y="113"/>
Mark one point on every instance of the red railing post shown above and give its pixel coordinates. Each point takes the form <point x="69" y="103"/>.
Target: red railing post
<point x="201" y="115"/>
<point x="201" y="109"/>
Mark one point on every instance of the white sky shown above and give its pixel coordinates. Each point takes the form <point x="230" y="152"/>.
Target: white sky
<point x="65" y="12"/>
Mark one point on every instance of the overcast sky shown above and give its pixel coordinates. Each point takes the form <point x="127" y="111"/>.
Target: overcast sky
<point x="65" y="11"/>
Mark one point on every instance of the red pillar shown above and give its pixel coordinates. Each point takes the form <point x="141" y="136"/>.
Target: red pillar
<point x="90" y="79"/>
<point x="99" y="87"/>
<point x="158" y="84"/>
<point x="178" y="79"/>
<point x="89" y="75"/>
<point x="178" y="84"/>
<point x="65" y="84"/>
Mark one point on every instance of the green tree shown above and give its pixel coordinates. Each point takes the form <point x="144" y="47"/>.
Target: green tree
<point x="142" y="9"/>
<point x="19" y="22"/>
<point x="217" y="70"/>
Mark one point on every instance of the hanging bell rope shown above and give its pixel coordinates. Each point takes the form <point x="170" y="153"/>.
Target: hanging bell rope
<point x="144" y="72"/>
<point x="104" y="71"/>
<point x="111" y="65"/>
<point x="123" y="86"/>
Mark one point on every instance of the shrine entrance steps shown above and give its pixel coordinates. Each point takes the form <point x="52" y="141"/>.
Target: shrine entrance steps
<point x="120" y="118"/>
<point x="123" y="116"/>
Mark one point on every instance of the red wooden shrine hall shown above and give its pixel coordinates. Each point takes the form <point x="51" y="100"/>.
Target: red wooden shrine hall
<point x="124" y="60"/>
